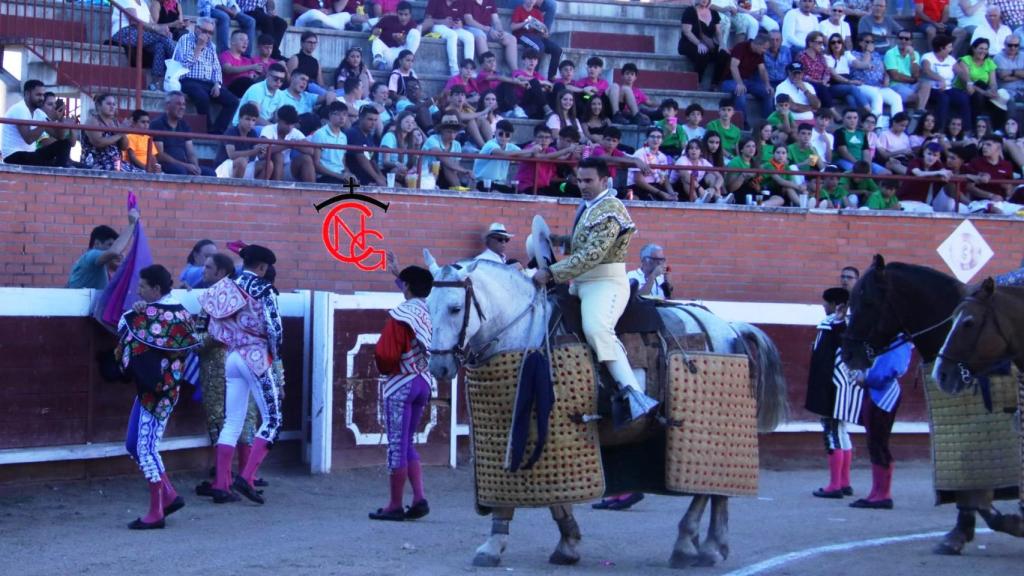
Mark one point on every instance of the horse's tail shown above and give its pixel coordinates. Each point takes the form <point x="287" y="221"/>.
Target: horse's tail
<point x="766" y="367"/>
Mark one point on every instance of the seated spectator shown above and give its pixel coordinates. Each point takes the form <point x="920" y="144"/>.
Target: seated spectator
<point x="952" y="198"/>
<point x="363" y="133"/>
<point x="156" y="38"/>
<point x="833" y="192"/>
<point x="612" y="153"/>
<point x="528" y="26"/>
<point x="993" y="30"/>
<point x="969" y="14"/>
<point x="473" y="122"/>
<point x="447" y="19"/>
<point x="305" y="102"/>
<point x="449" y="173"/>
<point x="566" y="80"/>
<point x="94" y="267"/>
<point x="483" y="22"/>
<point x="938" y="68"/>
<point x="713" y="148"/>
<point x="264" y="12"/>
<point x="990" y="162"/>
<point x="797" y="24"/>
<point x="223" y="12"/>
<point x="733" y="20"/>
<point x="700" y="41"/>
<point x="842" y="85"/>
<point x="490" y="80"/>
<point x="630" y="102"/>
<point x="416" y="101"/>
<point x="1010" y="67"/>
<point x="851" y="144"/>
<point x="655" y="185"/>
<point x="401" y="74"/>
<point x="821" y="138"/>
<point x="836" y="23"/>
<point x="782" y="118"/>
<point x="176" y="153"/>
<point x="602" y="88"/>
<point x="352" y="66"/>
<point x="802" y="153"/>
<point x="547" y="7"/>
<point x="266" y="95"/>
<point x="307" y="63"/>
<point x="903" y="65"/>
<point x="930" y="18"/>
<point x="392" y="35"/>
<point x="170" y="14"/>
<point x="489" y="102"/>
<point x="744" y="186"/>
<point x="784" y="189"/>
<point x="192" y="274"/>
<point x="465" y="78"/>
<point x="19" y="142"/>
<point x="927" y="130"/>
<point x="671" y="127"/>
<point x="101" y="150"/>
<point x="776" y="58"/>
<point x="240" y="71"/>
<point x="803" y="97"/>
<point x="879" y="25"/>
<point x="243" y="159"/>
<point x="538" y="174"/>
<point x="564" y="114"/>
<point x="564" y="182"/>
<point x="701" y="186"/>
<point x="288" y="163"/>
<point x="330" y="162"/>
<point x="141" y="152"/>
<point x="596" y="121"/>
<point x="894" y="144"/>
<point x="525" y="96"/>
<point x="928" y="166"/>
<point x="747" y="74"/>
<point x="729" y="132"/>
<point x="976" y="76"/>
<point x="492" y="175"/>
<point x="332" y="14"/>
<point x="404" y="135"/>
<point x="352" y="94"/>
<point x="204" y="82"/>
<point x="694" y="118"/>
<point x="265" y="52"/>
<point x="885" y="199"/>
<point x="955" y="135"/>
<point x="868" y="68"/>
<point x="818" y="74"/>
<point x="380" y="98"/>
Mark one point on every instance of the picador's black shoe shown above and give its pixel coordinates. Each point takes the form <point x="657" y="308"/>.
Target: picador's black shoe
<point x="417" y="510"/>
<point x="138" y="524"/>
<point x="243" y="488"/>
<point x="393" y="515"/>
<point x="174" y="506"/>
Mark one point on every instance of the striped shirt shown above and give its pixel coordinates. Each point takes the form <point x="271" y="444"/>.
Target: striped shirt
<point x="251" y="5"/>
<point x="883" y="377"/>
<point x="204" y="66"/>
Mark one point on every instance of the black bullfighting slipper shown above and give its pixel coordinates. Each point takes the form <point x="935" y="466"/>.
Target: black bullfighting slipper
<point x="138" y="524"/>
<point x="847" y="490"/>
<point x="260" y="483"/>
<point x="174" y="506"/>
<point x="223" y="496"/>
<point x="834" y="494"/>
<point x="394" y="515"/>
<point x="873" y="505"/>
<point x="604" y="504"/>
<point x="626" y="503"/>
<point x="204" y="488"/>
<point x="417" y="510"/>
<point x="243" y="488"/>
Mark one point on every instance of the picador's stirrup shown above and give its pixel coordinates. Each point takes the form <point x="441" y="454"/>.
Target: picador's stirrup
<point x="630" y="404"/>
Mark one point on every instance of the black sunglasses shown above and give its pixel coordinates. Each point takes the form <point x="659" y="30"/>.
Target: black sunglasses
<point x="504" y="133"/>
<point x="501" y="239"/>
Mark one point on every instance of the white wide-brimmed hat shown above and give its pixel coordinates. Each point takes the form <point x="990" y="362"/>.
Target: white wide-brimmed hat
<point x="1002" y="99"/>
<point x="497" y="229"/>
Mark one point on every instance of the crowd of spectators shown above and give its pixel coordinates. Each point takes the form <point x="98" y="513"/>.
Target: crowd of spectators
<point x="838" y="88"/>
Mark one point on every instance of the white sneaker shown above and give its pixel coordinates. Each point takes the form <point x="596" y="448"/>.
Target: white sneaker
<point x="730" y="199"/>
<point x="518" y="112"/>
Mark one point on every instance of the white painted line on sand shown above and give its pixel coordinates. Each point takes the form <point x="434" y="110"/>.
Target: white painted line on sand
<point x="784" y="559"/>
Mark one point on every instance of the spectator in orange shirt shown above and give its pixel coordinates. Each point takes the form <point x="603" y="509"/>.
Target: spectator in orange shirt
<point x="141" y="152"/>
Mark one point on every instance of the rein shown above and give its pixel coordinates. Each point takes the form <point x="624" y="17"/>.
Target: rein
<point x="989" y="311"/>
<point x="905" y="335"/>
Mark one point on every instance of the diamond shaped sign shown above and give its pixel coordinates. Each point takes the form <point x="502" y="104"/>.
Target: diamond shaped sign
<point x="965" y="251"/>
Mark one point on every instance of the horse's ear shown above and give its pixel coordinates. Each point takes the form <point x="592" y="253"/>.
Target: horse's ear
<point x="430" y="262"/>
<point x="878" y="263"/>
<point x="988" y="286"/>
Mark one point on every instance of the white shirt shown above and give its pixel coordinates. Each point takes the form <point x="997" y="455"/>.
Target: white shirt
<point x="797" y="95"/>
<point x="962" y="19"/>
<point x="12" y="141"/>
<point x="944" y="69"/>
<point x="270" y="132"/>
<point x="491" y="255"/>
<point x="641" y="281"/>
<point x="822" y="142"/>
<point x="827" y="28"/>
<point x="842" y="65"/>
<point x="137" y="8"/>
<point x="996" y="38"/>
<point x="796" y="26"/>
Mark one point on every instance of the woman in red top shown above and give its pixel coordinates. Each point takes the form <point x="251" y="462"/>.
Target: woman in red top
<point x="402" y="355"/>
<point x="528" y="26"/>
<point x="817" y="71"/>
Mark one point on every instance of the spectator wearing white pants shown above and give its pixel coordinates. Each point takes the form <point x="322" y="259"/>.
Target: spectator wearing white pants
<point x="392" y="34"/>
<point x="868" y="66"/>
<point x="733" y="20"/>
<point x="446" y="17"/>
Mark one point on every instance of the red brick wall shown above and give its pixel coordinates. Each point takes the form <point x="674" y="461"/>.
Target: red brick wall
<point x="720" y="254"/>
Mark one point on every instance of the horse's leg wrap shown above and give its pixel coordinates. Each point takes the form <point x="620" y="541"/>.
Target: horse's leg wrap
<point x="715" y="548"/>
<point x="565" y="553"/>
<point x="967" y="502"/>
<point x="685" y="552"/>
<point x="488" y="554"/>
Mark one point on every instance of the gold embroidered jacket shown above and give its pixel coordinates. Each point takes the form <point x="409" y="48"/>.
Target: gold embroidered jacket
<point x="601" y="236"/>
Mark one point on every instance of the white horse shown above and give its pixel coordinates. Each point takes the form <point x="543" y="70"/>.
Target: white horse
<point x="486" y="308"/>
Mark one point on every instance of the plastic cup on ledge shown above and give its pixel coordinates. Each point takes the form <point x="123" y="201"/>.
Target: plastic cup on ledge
<point x="803" y="200"/>
<point x="391" y="179"/>
<point x="487" y="185"/>
<point x="515" y="186"/>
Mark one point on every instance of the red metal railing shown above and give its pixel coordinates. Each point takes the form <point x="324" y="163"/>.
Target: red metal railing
<point x="74" y="40"/>
<point x="813" y="178"/>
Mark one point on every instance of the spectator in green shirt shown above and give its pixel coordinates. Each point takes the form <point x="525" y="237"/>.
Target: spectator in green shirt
<point x="92" y="269"/>
<point x="782" y="117"/>
<point x="885" y="199"/>
<point x="744" y="186"/>
<point x="729" y="132"/>
<point x="675" y="135"/>
<point x="801" y="153"/>
<point x="833" y="192"/>
<point x="784" y="188"/>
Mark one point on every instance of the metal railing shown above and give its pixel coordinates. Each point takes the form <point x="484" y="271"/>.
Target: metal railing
<point x="74" y="39"/>
<point x="813" y="178"/>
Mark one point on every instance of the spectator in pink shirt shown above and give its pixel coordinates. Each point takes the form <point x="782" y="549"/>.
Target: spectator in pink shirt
<point x="467" y="79"/>
<point x="526" y="95"/>
<point x="240" y="71"/>
<point x="629" y="103"/>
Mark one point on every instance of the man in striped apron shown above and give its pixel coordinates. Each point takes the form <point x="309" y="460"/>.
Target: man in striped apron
<point x="402" y="357"/>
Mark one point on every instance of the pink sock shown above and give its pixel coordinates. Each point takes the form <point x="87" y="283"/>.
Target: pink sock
<point x="169" y="493"/>
<point x="224" y="455"/>
<point x="415" y="472"/>
<point x="156" y="503"/>
<point x="397" y="481"/>
<point x="847" y="462"/>
<point x="244" y="452"/>
<point x="877" y="482"/>
<point x="885" y="493"/>
<point x="260" y="447"/>
<point x="835" y="471"/>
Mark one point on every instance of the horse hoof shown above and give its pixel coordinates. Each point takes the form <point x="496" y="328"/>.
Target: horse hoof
<point x="560" y="558"/>
<point x="679" y="561"/>
<point x="708" y="559"/>
<point x="946" y="548"/>
<point x="482" y="560"/>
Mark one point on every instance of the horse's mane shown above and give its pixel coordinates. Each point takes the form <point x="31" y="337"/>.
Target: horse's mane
<point x="450" y="271"/>
<point x="930" y="274"/>
<point x="938" y="283"/>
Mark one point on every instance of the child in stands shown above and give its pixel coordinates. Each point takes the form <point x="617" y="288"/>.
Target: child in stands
<point x="885" y="199"/>
<point x="694" y="118"/>
<point x="675" y="134"/>
<point x="729" y="132"/>
<point x="629" y="102"/>
<point x="782" y="117"/>
<point x="141" y="152"/>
